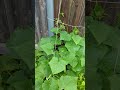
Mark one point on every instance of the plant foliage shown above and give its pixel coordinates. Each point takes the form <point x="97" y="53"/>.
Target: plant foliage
<point x="102" y="55"/>
<point x="17" y="66"/>
<point x="60" y="62"/>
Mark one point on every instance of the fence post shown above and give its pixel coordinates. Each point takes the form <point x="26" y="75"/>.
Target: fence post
<point x="50" y="14"/>
<point x="40" y="19"/>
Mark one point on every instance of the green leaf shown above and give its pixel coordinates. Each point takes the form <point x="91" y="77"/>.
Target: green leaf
<point x="44" y="41"/>
<point x="76" y="31"/>
<point x="82" y="42"/>
<point x="65" y="36"/>
<point x="46" y="85"/>
<point x="81" y="52"/>
<point x="113" y="40"/>
<point x="21" y="46"/>
<point x="68" y="83"/>
<point x="57" y="65"/>
<point x="62" y="26"/>
<point x="8" y="63"/>
<point x="82" y="61"/>
<point x="41" y="71"/>
<point x="19" y="81"/>
<point x="17" y="76"/>
<point x="23" y="85"/>
<point x="115" y="82"/>
<point x="98" y="12"/>
<point x="72" y="47"/>
<point x="1" y="88"/>
<point x="63" y="51"/>
<point x="68" y="57"/>
<point x="100" y="31"/>
<point x="55" y="40"/>
<point x="74" y="62"/>
<point x="94" y="54"/>
<point x="53" y="84"/>
<point x="92" y="75"/>
<point x="46" y="45"/>
<point x="55" y="30"/>
<point x="48" y="48"/>
<point x="76" y="39"/>
<point x="78" y="67"/>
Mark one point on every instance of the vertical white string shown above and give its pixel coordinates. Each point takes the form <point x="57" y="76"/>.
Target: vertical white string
<point x="58" y="21"/>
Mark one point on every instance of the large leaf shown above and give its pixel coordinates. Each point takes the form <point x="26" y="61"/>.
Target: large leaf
<point x="100" y="31"/>
<point x="19" y="81"/>
<point x="23" y="85"/>
<point x="113" y="40"/>
<point x="69" y="58"/>
<point x="48" y="48"/>
<point x="93" y="79"/>
<point x="65" y="36"/>
<point x="53" y="84"/>
<point x="72" y="47"/>
<point x="46" y="85"/>
<point x="8" y="63"/>
<point x="115" y="82"/>
<point x="17" y="76"/>
<point x="55" y="40"/>
<point x="57" y="65"/>
<point x="55" y="30"/>
<point x="68" y="83"/>
<point x="41" y="71"/>
<point x="46" y="45"/>
<point x="21" y="43"/>
<point x="76" y="39"/>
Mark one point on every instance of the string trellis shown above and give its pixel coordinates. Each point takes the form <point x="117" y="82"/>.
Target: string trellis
<point x="65" y="23"/>
<point x="78" y="26"/>
<point x="58" y="22"/>
<point x="104" y="1"/>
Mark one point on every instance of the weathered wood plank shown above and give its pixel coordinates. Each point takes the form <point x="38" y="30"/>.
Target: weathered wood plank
<point x="8" y="11"/>
<point x="40" y="19"/>
<point x="23" y="12"/>
<point x="13" y="14"/>
<point x="73" y="12"/>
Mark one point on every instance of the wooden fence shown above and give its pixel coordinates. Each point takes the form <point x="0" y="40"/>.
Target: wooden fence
<point x="14" y="13"/>
<point x="73" y="15"/>
<point x="111" y="7"/>
<point x="41" y="29"/>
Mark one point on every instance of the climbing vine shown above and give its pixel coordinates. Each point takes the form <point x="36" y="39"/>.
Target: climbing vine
<point x="17" y="65"/>
<point x="102" y="52"/>
<point x="60" y="61"/>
